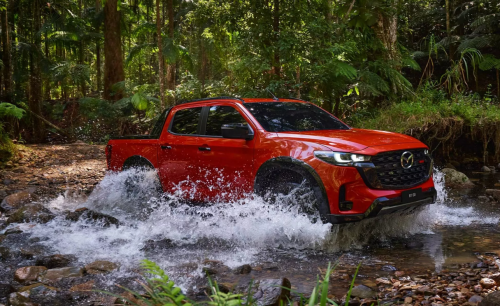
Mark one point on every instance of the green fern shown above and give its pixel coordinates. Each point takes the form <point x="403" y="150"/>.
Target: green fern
<point x="10" y="110"/>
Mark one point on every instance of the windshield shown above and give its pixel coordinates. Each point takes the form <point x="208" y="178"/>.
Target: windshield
<point x="293" y="117"/>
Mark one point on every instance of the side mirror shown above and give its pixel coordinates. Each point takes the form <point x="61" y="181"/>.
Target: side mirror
<point x="237" y="131"/>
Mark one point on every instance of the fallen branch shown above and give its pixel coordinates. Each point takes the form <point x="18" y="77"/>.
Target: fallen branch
<point x="50" y="124"/>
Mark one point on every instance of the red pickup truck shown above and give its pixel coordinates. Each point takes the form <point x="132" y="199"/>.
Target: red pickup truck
<point x="226" y="148"/>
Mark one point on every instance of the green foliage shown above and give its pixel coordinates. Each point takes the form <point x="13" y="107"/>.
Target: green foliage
<point x="429" y="107"/>
<point x="10" y="110"/>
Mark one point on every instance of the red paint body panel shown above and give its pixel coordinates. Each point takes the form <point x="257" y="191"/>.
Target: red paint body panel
<point x="228" y="170"/>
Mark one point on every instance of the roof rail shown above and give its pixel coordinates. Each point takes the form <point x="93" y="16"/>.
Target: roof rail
<point x="214" y="98"/>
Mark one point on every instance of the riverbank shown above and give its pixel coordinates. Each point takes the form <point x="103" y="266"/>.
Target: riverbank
<point x="78" y="251"/>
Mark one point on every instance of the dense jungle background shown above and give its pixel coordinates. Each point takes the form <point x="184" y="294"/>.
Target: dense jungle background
<point x="88" y="69"/>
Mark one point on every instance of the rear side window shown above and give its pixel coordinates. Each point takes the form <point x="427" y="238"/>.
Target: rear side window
<point x="186" y="121"/>
<point x="219" y="115"/>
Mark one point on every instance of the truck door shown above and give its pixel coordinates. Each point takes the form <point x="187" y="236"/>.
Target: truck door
<point x="178" y="156"/>
<point x="226" y="164"/>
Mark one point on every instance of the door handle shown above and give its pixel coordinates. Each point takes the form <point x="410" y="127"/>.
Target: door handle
<point x="204" y="148"/>
<point x="166" y="147"/>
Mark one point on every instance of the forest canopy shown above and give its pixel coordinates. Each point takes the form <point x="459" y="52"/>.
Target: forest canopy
<point x="86" y="69"/>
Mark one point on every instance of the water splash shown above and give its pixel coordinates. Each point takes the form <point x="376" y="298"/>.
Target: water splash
<point x="234" y="232"/>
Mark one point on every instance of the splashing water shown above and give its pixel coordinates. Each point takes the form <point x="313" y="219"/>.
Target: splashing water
<point x="235" y="232"/>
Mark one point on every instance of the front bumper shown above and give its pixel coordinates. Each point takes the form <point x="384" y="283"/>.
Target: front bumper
<point x="383" y="206"/>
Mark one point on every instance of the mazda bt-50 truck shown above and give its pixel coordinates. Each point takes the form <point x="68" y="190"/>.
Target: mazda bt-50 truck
<point x="226" y="148"/>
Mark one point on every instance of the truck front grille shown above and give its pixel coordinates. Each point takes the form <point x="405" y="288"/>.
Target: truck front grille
<point x="391" y="173"/>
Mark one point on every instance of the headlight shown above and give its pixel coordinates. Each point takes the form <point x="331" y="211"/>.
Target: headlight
<point x="426" y="152"/>
<point x="341" y="158"/>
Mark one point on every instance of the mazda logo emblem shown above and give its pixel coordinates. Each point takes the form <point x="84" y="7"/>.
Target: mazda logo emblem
<point x="406" y="160"/>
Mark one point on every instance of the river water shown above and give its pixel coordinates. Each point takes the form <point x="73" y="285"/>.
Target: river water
<point x="276" y="240"/>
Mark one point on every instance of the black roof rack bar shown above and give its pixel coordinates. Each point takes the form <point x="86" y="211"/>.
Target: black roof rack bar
<point x="214" y="98"/>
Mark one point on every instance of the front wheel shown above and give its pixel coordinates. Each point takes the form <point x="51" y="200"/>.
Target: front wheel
<point x="296" y="188"/>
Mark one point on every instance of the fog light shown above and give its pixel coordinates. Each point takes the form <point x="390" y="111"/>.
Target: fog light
<point x="346" y="205"/>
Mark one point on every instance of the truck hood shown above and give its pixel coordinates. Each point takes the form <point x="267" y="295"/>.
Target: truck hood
<point x="356" y="140"/>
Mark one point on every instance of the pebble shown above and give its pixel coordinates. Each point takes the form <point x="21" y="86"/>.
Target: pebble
<point x="487" y="283"/>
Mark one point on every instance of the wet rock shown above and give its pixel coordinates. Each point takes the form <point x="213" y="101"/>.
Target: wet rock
<point x="16" y="201"/>
<point x="485" y="169"/>
<point x="270" y="266"/>
<point x="475" y="299"/>
<point x="6" y="290"/>
<point x="31" y="213"/>
<point x="244" y="269"/>
<point x="102" y="219"/>
<point x="451" y="166"/>
<point x="28" y="274"/>
<point x="152" y="245"/>
<point x="209" y="271"/>
<point x="20" y="299"/>
<point x="55" y="261"/>
<point x="3" y="195"/>
<point x="495" y="193"/>
<point x="100" y="267"/>
<point x="87" y="286"/>
<point x="272" y="292"/>
<point x="74" y="215"/>
<point x="478" y="288"/>
<point x="414" y="245"/>
<point x="363" y="292"/>
<point x="456" y="179"/>
<point x="483" y="199"/>
<point x="13" y="230"/>
<point x="53" y="275"/>
<point x="487" y="283"/>
<point x="492" y="299"/>
<point x="389" y="268"/>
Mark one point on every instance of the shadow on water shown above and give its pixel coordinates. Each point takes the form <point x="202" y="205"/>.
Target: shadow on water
<point x="277" y="240"/>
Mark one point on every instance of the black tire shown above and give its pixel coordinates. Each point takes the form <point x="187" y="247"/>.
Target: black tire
<point x="135" y="179"/>
<point x="285" y="180"/>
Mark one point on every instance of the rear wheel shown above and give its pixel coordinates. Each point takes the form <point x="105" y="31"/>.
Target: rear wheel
<point x="141" y="180"/>
<point x="294" y="186"/>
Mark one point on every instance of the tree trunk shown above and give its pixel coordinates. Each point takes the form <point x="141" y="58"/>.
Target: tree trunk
<point x="98" y="52"/>
<point x="386" y="29"/>
<point x="276" y="30"/>
<point x="35" y="101"/>
<point x="171" y="66"/>
<point x="160" y="55"/>
<point x="6" y="57"/>
<point x="113" y="61"/>
<point x="47" y="79"/>
<point x="297" y="80"/>
<point x="448" y="26"/>
<point x="336" y="111"/>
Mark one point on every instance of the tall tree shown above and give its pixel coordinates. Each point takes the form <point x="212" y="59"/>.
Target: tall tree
<point x="161" y="61"/>
<point x="171" y="66"/>
<point x="6" y="56"/>
<point x="276" y="30"/>
<point x="113" y="61"/>
<point x="98" y="49"/>
<point x="35" y="101"/>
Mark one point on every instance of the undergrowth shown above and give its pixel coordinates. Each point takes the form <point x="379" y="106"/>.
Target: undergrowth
<point x="439" y="121"/>
<point x="161" y="291"/>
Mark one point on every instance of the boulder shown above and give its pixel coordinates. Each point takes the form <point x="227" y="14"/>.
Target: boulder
<point x="16" y="201"/>
<point x="100" y="267"/>
<point x="153" y="245"/>
<point x="272" y="292"/>
<point x="87" y="286"/>
<point x="53" y="275"/>
<point x="244" y="269"/>
<point x="13" y="230"/>
<point x="492" y="299"/>
<point x="55" y="261"/>
<point x="456" y="179"/>
<point x="28" y="274"/>
<point x="485" y="169"/>
<point x="495" y="193"/>
<point x="31" y="213"/>
<point x="363" y="292"/>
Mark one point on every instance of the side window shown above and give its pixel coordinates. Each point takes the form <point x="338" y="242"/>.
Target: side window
<point x="219" y="115"/>
<point x="186" y="121"/>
